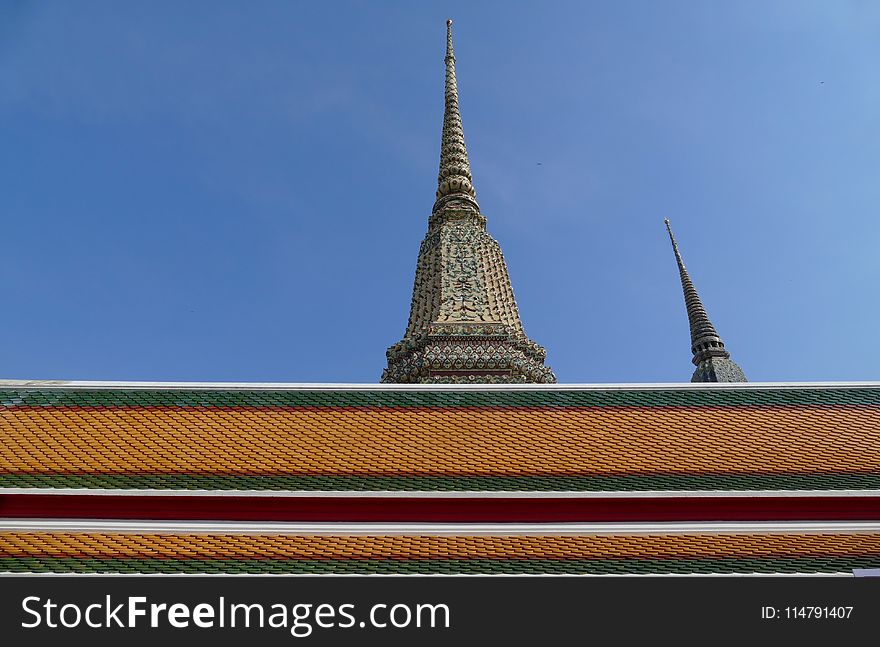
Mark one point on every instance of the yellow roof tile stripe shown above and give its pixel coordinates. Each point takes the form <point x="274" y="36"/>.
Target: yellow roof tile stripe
<point x="233" y="546"/>
<point x="476" y="441"/>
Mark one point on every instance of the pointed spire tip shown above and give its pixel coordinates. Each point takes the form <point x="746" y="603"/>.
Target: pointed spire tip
<point x="454" y="178"/>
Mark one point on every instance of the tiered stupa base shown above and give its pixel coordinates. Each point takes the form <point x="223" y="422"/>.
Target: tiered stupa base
<point x="467" y="354"/>
<point x="718" y="369"/>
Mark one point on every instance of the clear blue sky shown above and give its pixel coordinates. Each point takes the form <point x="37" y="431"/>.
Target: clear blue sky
<point x="237" y="191"/>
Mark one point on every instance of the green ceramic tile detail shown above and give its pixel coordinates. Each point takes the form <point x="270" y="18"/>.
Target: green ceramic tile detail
<point x="842" y="481"/>
<point x="48" y="397"/>
<point x="466" y="566"/>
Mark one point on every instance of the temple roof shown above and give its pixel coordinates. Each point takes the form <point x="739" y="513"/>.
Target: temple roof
<point x="479" y="438"/>
<point x="293" y="478"/>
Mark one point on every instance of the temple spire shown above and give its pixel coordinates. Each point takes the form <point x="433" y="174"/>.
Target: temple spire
<point x="464" y="325"/>
<point x="454" y="179"/>
<point x="709" y="355"/>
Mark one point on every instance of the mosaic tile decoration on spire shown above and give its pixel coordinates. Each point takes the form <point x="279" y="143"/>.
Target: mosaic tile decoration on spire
<point x="709" y="354"/>
<point x="464" y="326"/>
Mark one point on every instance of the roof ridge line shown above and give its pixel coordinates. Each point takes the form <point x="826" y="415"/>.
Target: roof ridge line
<point x="354" y="386"/>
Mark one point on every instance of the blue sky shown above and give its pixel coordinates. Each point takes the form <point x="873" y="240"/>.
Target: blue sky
<point x="237" y="191"/>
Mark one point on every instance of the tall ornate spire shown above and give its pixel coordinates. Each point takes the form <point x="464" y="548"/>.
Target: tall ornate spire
<point x="454" y="179"/>
<point x="464" y="326"/>
<point x="710" y="357"/>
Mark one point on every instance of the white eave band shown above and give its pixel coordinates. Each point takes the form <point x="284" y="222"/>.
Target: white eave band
<point x="434" y="529"/>
<point x="452" y="494"/>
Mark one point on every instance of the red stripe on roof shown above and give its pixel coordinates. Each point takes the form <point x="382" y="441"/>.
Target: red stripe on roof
<point x="412" y="509"/>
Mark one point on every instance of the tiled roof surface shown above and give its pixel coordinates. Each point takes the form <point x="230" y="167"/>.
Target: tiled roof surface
<point x="466" y="439"/>
<point x="268" y="553"/>
<point x="598" y="439"/>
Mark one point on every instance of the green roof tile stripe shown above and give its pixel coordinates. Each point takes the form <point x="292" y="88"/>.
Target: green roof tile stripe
<point x="61" y="397"/>
<point x="628" y="482"/>
<point x="435" y="566"/>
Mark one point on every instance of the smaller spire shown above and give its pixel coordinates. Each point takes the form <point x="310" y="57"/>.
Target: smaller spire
<point x="709" y="354"/>
<point x="450" y="52"/>
<point x="454" y="179"/>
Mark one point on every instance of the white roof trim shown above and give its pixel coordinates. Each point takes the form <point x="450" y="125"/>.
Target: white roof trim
<point x="853" y="573"/>
<point x="450" y="494"/>
<point x="434" y="529"/>
<point x="292" y="386"/>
